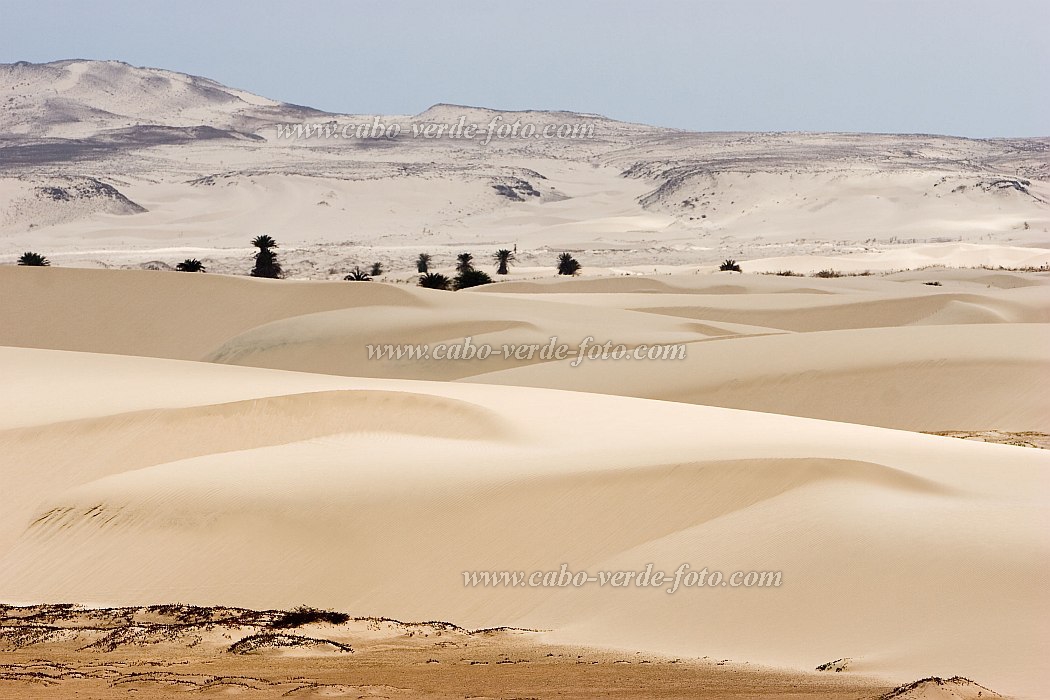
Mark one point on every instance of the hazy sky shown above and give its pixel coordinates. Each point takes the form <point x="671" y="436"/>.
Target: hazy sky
<point x="966" y="68"/>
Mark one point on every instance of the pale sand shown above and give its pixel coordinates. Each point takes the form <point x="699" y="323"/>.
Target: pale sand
<point x="208" y="439"/>
<point x="893" y="352"/>
<point x="165" y="480"/>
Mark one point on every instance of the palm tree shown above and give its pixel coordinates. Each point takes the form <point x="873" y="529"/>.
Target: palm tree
<point x="358" y="275"/>
<point x="423" y="263"/>
<point x="434" y="280"/>
<point x="729" y="265"/>
<point x="568" y="265"/>
<point x="464" y="262"/>
<point x="471" y="278"/>
<point x="264" y="242"/>
<point x="33" y="260"/>
<point x="190" y="265"/>
<point x="377" y="269"/>
<point x="504" y="258"/>
<point x="266" y="264"/>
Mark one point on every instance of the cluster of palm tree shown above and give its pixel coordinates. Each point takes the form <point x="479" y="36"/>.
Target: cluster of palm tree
<point x="467" y="275"/>
<point x="729" y="265"/>
<point x="267" y="265"/>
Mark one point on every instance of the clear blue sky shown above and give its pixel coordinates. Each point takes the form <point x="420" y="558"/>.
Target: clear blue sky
<point x="965" y="67"/>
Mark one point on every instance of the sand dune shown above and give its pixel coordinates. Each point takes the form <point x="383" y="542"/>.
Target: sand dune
<point x="336" y="342"/>
<point x="306" y="326"/>
<point x="384" y="515"/>
<point x="918" y="378"/>
<point x="64" y="308"/>
<point x="161" y="315"/>
<point x="892" y="352"/>
<point x="227" y="441"/>
<point x="794" y="304"/>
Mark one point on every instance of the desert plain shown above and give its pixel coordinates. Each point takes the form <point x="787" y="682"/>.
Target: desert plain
<point x="212" y="484"/>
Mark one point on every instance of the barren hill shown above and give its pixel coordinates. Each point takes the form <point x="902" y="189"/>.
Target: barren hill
<point x="207" y="168"/>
